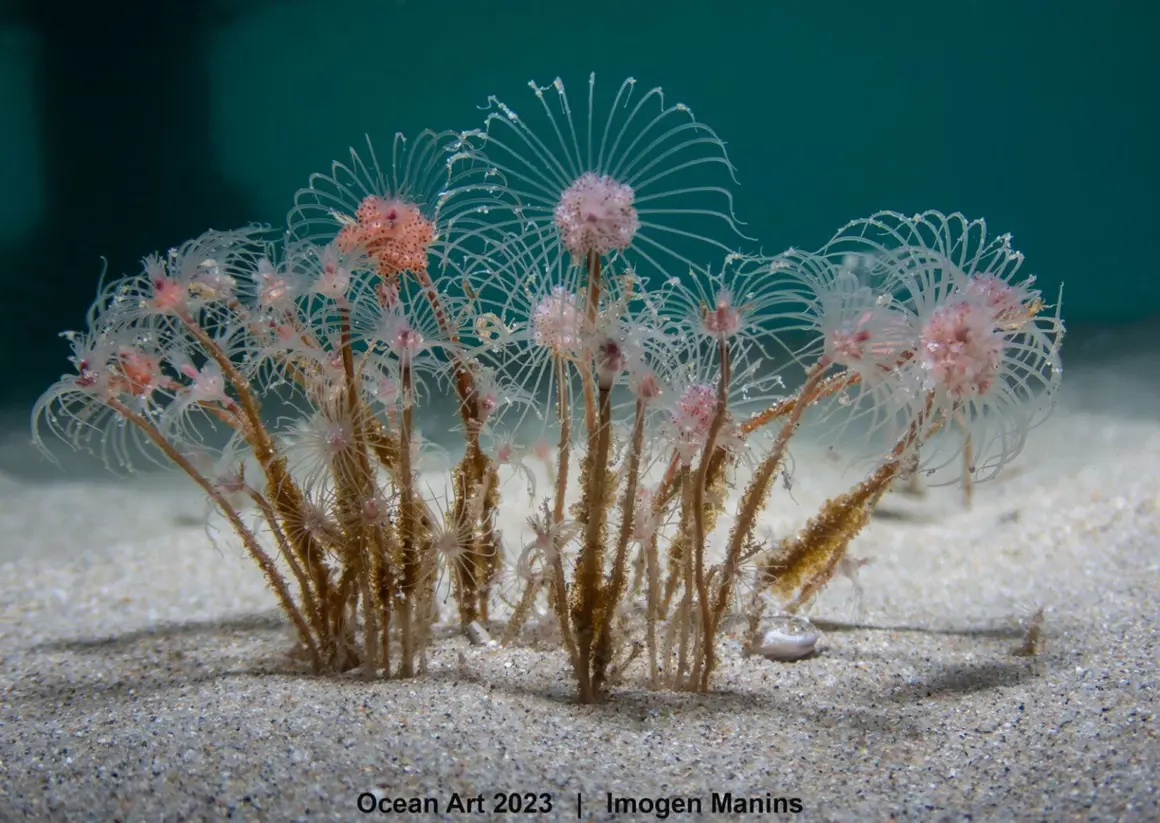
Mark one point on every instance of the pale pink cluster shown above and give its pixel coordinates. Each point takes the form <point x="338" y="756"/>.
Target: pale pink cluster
<point x="170" y="296"/>
<point x="1004" y="301"/>
<point x="274" y="289"/>
<point x="846" y="345"/>
<point x="961" y="349"/>
<point x="335" y="277"/>
<point x="137" y="373"/>
<point x="644" y="384"/>
<point x="400" y="336"/>
<point x="208" y="383"/>
<point x="596" y="214"/>
<point x="557" y="323"/>
<point x="690" y="422"/>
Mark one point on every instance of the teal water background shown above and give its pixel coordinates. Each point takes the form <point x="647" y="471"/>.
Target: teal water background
<point x="1039" y="116"/>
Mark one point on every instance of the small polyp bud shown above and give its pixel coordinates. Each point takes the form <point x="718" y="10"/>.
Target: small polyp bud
<point x="386" y="390"/>
<point x="334" y="278"/>
<point x="168" y="295"/>
<point x="486" y="405"/>
<point x="722" y="319"/>
<point x="231" y="481"/>
<point x="646" y="386"/>
<point x="387" y="292"/>
<point x="272" y="288"/>
<point x="610" y="361"/>
<point x="372" y="512"/>
<point x="542" y="450"/>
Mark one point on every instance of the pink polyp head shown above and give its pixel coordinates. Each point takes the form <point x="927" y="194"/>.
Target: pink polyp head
<point x="610" y="360"/>
<point x="696" y="407"/>
<point x="1003" y="300"/>
<point x="334" y="278"/>
<point x="169" y="297"/>
<point x="596" y="214"/>
<point x="557" y="322"/>
<point x="844" y="345"/>
<point x="961" y="349"/>
<point x="646" y="386"/>
<point x="722" y="319"/>
<point x="393" y="233"/>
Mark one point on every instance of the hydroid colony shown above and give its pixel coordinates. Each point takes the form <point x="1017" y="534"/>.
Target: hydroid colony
<point x="578" y="283"/>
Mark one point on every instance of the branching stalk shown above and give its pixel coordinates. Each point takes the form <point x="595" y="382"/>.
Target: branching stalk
<point x="615" y="587"/>
<point x="699" y="510"/>
<point x="264" y="561"/>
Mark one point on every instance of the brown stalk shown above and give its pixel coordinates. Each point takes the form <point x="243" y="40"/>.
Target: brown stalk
<point x="309" y="599"/>
<point x="832" y="385"/>
<point x="685" y="610"/>
<point x="408" y="535"/>
<point x="521" y="611"/>
<point x="652" y="605"/>
<point x="589" y="606"/>
<point x="808" y="561"/>
<point x="467" y="569"/>
<point x="474" y="466"/>
<point x="753" y="500"/>
<point x="287" y="497"/>
<point x="615" y="587"/>
<point x="588" y="595"/>
<point x="591" y="304"/>
<point x="489" y="547"/>
<point x="265" y="562"/>
<point x="559" y="584"/>
<point x="356" y="485"/>
<point x="678" y="547"/>
<point x="699" y="510"/>
<point x="391" y="561"/>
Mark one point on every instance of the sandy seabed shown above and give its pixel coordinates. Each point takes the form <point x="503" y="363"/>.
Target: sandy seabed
<point x="145" y="674"/>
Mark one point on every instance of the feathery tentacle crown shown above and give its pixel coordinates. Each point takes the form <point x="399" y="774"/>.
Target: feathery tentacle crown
<point x="393" y="212"/>
<point x="928" y="312"/>
<point x="642" y="174"/>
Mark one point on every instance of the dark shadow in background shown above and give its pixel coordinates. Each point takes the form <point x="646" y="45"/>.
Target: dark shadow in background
<point x="123" y="111"/>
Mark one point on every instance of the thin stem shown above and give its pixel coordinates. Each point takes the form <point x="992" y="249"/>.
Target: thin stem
<point x="560" y="586"/>
<point x="685" y="610"/>
<point x="591" y="306"/>
<point x="407" y="528"/>
<point x="590" y="603"/>
<point x="358" y="490"/>
<point x="309" y="599"/>
<point x="287" y="497"/>
<point x="615" y="587"/>
<point x="699" y="509"/>
<point x="833" y="385"/>
<point x="264" y="561"/>
<point x="653" y="606"/>
<point x="754" y="497"/>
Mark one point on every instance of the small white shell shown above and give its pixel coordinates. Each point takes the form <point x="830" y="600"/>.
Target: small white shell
<point x="788" y="638"/>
